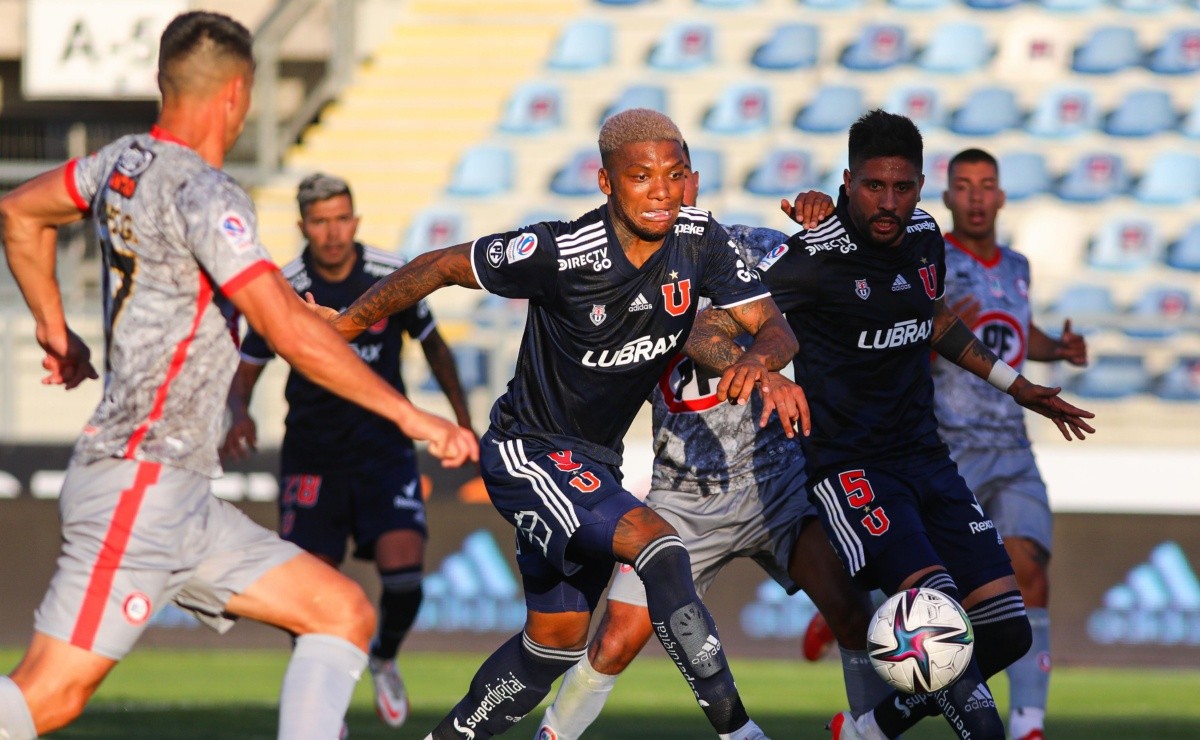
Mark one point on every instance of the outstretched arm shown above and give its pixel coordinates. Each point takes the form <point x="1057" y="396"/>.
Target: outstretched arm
<point x="954" y="341"/>
<point x="404" y="287"/>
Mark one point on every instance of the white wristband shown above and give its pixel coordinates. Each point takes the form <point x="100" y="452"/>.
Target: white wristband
<point x="1002" y="376"/>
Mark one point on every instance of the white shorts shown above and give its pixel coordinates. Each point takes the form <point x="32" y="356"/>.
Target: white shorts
<point x="137" y="535"/>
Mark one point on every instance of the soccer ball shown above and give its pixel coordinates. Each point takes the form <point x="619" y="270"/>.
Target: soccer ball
<point x="920" y="640"/>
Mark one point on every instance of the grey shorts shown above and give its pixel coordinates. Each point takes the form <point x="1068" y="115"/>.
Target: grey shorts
<point x="1009" y="486"/>
<point x="761" y="523"/>
<point x="137" y="535"/>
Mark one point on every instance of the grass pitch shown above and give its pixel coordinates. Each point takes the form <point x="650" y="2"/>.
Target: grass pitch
<point x="186" y="694"/>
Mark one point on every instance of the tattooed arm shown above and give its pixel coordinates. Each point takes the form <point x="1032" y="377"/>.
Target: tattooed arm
<point x="404" y="287"/>
<point x="711" y="345"/>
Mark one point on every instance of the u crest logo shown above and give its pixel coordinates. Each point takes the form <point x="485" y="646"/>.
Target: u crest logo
<point x="677" y="305"/>
<point x="929" y="279"/>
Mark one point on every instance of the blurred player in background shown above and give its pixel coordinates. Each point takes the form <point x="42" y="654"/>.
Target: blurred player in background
<point x="140" y="526"/>
<point x="612" y="297"/>
<point x="731" y="481"/>
<point x="343" y="470"/>
<point x="987" y="285"/>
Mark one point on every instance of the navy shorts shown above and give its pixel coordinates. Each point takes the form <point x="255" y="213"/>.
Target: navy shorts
<point x="319" y="510"/>
<point x="565" y="507"/>
<point x="888" y="521"/>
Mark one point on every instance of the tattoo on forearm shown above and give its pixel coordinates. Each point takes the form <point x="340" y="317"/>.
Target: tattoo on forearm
<point x="711" y="345"/>
<point x="959" y="344"/>
<point x="404" y="287"/>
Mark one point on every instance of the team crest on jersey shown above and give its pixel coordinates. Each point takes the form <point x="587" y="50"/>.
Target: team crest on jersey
<point x="236" y="232"/>
<point x="136" y="608"/>
<point x="598" y="315"/>
<point x="861" y="289"/>
<point x="495" y="252"/>
<point x="929" y="278"/>
<point x="994" y="286"/>
<point x="770" y="258"/>
<point x="1023" y="287"/>
<point x="521" y="247"/>
<point x="1003" y="334"/>
<point x="678" y="296"/>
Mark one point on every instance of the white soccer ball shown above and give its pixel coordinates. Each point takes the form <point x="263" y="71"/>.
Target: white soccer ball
<point x="920" y="640"/>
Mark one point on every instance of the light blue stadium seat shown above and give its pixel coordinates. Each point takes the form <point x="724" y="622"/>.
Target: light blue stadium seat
<point x="832" y="182"/>
<point x="878" y="46"/>
<point x="1112" y="376"/>
<point x="1172" y="178"/>
<point x="919" y="103"/>
<point x="791" y="46"/>
<point x="1070" y="6"/>
<point x="741" y="109"/>
<point x="1142" y="113"/>
<point x="1089" y="307"/>
<point x="784" y="173"/>
<point x="578" y="176"/>
<point x="710" y="163"/>
<point x="1094" y="178"/>
<point x="918" y="5"/>
<point x="1181" y="382"/>
<point x="1190" y="126"/>
<point x="937" y="165"/>
<point x="1125" y="243"/>
<point x="1178" y="54"/>
<point x="537" y="216"/>
<point x="1184" y="254"/>
<point x="1106" y="50"/>
<point x="1023" y="174"/>
<point x="987" y="111"/>
<point x="1145" y="6"/>
<point x="831" y="110"/>
<point x="483" y="170"/>
<point x="653" y="97"/>
<point x="734" y="4"/>
<point x="955" y="48"/>
<point x="583" y="45"/>
<point x="1063" y="112"/>
<point x="535" y="108"/>
<point x="833" y="5"/>
<point x="1158" y="312"/>
<point x="684" y="46"/>
<point x="991" y="4"/>
<point x="434" y="228"/>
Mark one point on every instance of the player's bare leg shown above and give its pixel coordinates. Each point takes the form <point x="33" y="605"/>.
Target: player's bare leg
<point x="399" y="556"/>
<point x="1029" y="675"/>
<point x="55" y="679"/>
<point x="333" y="622"/>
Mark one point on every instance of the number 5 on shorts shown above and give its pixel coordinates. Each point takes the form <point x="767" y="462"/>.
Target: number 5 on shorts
<point x="859" y="495"/>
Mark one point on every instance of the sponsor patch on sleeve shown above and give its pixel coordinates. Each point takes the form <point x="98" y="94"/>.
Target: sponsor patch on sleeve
<point x="495" y="252"/>
<point x="237" y="232"/>
<point x="770" y="258"/>
<point x="520" y="247"/>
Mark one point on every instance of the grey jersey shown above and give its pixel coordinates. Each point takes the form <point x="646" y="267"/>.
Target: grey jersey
<point x="971" y="413"/>
<point x="177" y="237"/>
<point x="702" y="445"/>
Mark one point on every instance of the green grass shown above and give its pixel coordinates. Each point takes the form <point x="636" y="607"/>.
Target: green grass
<point x="158" y="693"/>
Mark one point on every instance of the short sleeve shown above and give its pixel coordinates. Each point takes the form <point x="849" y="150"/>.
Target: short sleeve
<point x="222" y="231"/>
<point x="418" y="321"/>
<point x="517" y="264"/>
<point x="788" y="273"/>
<point x="727" y="280"/>
<point x="255" y="349"/>
<point x="84" y="176"/>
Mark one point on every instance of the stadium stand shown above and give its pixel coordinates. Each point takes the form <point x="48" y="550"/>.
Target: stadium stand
<point x="791" y="46"/>
<point x="1093" y="178"/>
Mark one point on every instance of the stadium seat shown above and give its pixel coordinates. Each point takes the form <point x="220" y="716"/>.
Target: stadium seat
<point x="1106" y="50"/>
<point x="987" y="111"/>
<point x="1142" y="113"/>
<point x="1178" y="54"/>
<point x="917" y="102"/>
<point x="583" y="45"/>
<point x="1190" y="126"/>
<point x="1181" y="382"/>
<point x="684" y="46"/>
<point x="535" y="108"/>
<point x="832" y="181"/>
<point x="1171" y="178"/>
<point x="1089" y="307"/>
<point x="1070" y="6"/>
<point x="1094" y="178"/>
<point x="791" y="46"/>
<point x="991" y="4"/>
<point x="955" y="48"/>
<point x="831" y="110"/>
<point x="483" y="170"/>
<point x="784" y="173"/>
<point x="653" y="97"/>
<point x="578" y="177"/>
<point x="434" y="228"/>
<point x="1112" y="376"/>
<point x="878" y="46"/>
<point x="833" y="5"/>
<point x="726" y="3"/>
<point x="1023" y="175"/>
<point x="741" y="109"/>
<point x="1184" y="254"/>
<point x="1144" y="6"/>
<point x="1158" y="312"/>
<point x="937" y="165"/>
<point x="710" y="163"/>
<point x="1062" y="112"/>
<point x="921" y="5"/>
<point x="1125" y="243"/>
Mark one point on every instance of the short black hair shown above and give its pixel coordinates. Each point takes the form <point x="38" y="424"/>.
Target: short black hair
<point x="318" y="187"/>
<point x="200" y="30"/>
<point x="882" y="134"/>
<point x="972" y="156"/>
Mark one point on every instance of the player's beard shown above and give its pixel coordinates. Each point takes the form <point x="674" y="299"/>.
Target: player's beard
<point x="627" y="220"/>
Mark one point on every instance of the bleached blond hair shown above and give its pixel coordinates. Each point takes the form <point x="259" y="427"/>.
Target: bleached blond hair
<point x="634" y="126"/>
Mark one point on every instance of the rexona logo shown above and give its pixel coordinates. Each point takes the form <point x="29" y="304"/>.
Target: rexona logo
<point x="904" y="332"/>
<point x="473" y="590"/>
<point x="1158" y="604"/>
<point x="637" y="350"/>
<point x="775" y="615"/>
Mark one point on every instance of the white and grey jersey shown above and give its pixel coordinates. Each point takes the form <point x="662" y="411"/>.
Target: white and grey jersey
<point x="702" y="445"/>
<point x="177" y="236"/>
<point x="971" y="413"/>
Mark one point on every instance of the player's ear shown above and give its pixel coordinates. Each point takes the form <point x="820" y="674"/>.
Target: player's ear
<point x="920" y="185"/>
<point x="605" y="183"/>
<point x="1002" y="199"/>
<point x="846" y="179"/>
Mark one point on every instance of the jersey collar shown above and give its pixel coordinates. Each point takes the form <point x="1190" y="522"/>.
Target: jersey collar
<point x="953" y="241"/>
<point x="160" y="133"/>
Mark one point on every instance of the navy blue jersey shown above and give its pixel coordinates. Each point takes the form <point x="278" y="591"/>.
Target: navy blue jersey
<point x="863" y="316"/>
<point x="600" y="332"/>
<point x="323" y="430"/>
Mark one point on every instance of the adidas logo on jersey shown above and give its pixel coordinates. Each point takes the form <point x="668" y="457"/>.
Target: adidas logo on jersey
<point x="900" y="284"/>
<point x="640" y="304"/>
<point x="1155" y="604"/>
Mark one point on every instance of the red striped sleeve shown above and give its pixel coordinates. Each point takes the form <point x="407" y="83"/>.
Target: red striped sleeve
<point x="239" y="281"/>
<point x="73" y="189"/>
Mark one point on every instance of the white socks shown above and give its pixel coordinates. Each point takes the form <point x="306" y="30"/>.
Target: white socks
<point x="748" y="731"/>
<point x="579" y="700"/>
<point x="16" y="723"/>
<point x="317" y="687"/>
